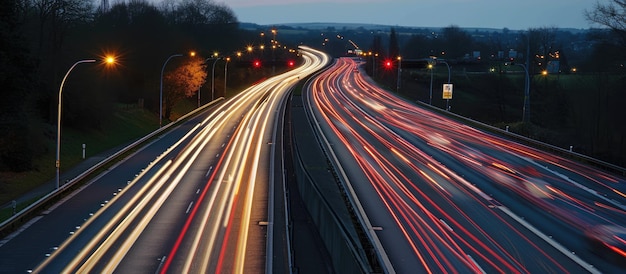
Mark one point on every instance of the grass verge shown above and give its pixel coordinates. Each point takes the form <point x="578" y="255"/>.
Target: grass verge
<point x="126" y="125"/>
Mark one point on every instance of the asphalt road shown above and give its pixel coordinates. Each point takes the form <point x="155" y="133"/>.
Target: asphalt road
<point x="195" y="200"/>
<point x="446" y="197"/>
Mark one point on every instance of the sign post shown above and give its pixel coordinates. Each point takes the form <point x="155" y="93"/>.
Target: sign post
<point x="447" y="94"/>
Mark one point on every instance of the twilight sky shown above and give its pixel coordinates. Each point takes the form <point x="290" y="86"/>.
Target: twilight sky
<point x="512" y="14"/>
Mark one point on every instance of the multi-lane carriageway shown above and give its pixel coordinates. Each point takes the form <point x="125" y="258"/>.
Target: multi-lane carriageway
<point x="189" y="202"/>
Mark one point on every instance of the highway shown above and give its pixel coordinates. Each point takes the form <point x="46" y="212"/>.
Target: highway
<point x="196" y="200"/>
<point x="443" y="197"/>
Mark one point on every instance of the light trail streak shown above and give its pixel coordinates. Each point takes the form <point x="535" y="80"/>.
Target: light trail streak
<point x="242" y="158"/>
<point x="186" y="158"/>
<point x="224" y="202"/>
<point x="381" y="131"/>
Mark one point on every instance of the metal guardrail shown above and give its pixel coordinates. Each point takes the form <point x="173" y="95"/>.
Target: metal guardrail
<point x="534" y="143"/>
<point x="38" y="205"/>
<point x="381" y="254"/>
<point x="525" y="140"/>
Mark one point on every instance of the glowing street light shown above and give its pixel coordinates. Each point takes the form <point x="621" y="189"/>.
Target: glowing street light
<point x="226" y="73"/>
<point x="108" y="60"/>
<point x="449" y="74"/>
<point x="274" y="43"/>
<point x="213" y="76"/>
<point x="399" y="73"/>
<point x="214" y="57"/>
<point x="161" y="88"/>
<point x="431" y="67"/>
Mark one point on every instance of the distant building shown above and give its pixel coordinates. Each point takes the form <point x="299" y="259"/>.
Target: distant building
<point x="553" y="66"/>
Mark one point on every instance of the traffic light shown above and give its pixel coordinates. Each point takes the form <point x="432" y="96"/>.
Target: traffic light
<point x="291" y="63"/>
<point x="388" y="64"/>
<point x="256" y="64"/>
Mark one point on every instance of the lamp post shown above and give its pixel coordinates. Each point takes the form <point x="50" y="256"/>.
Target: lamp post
<point x="448" y="66"/>
<point x="161" y="89"/>
<point x="58" y="158"/>
<point x="526" y="108"/>
<point x="213" y="79"/>
<point x="430" y="97"/>
<point x="274" y="31"/>
<point x="226" y="73"/>
<point x="399" y="73"/>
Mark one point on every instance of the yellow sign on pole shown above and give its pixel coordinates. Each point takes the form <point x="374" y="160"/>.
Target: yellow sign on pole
<point x="447" y="91"/>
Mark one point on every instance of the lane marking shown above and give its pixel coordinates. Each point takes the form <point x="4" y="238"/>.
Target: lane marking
<point x="208" y="172"/>
<point x="189" y="207"/>
<point x="550" y="241"/>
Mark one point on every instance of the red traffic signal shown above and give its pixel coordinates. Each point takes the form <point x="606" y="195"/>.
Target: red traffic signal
<point x="256" y="64"/>
<point x="388" y="64"/>
<point x="291" y="63"/>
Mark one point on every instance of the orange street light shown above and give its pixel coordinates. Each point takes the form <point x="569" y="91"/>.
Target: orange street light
<point x="161" y="88"/>
<point x="399" y="58"/>
<point x="110" y="60"/>
<point x="58" y="154"/>
<point x="226" y="73"/>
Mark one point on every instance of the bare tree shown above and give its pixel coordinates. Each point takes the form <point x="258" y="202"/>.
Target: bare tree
<point x="612" y="15"/>
<point x="543" y="43"/>
<point x="199" y="12"/>
<point x="456" y="42"/>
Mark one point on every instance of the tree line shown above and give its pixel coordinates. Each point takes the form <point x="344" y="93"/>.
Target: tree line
<point x="41" y="39"/>
<point x="577" y="77"/>
<point x="577" y="93"/>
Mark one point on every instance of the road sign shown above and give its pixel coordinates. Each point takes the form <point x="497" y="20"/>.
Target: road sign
<point x="447" y="91"/>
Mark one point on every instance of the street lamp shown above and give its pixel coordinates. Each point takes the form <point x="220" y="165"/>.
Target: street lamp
<point x="161" y="89"/>
<point x="526" y="108"/>
<point x="57" y="164"/>
<point x="431" y="66"/>
<point x="274" y="31"/>
<point x="374" y="57"/>
<point x="215" y="54"/>
<point x="226" y="73"/>
<point x="213" y="78"/>
<point x="448" y="66"/>
<point x="399" y="73"/>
